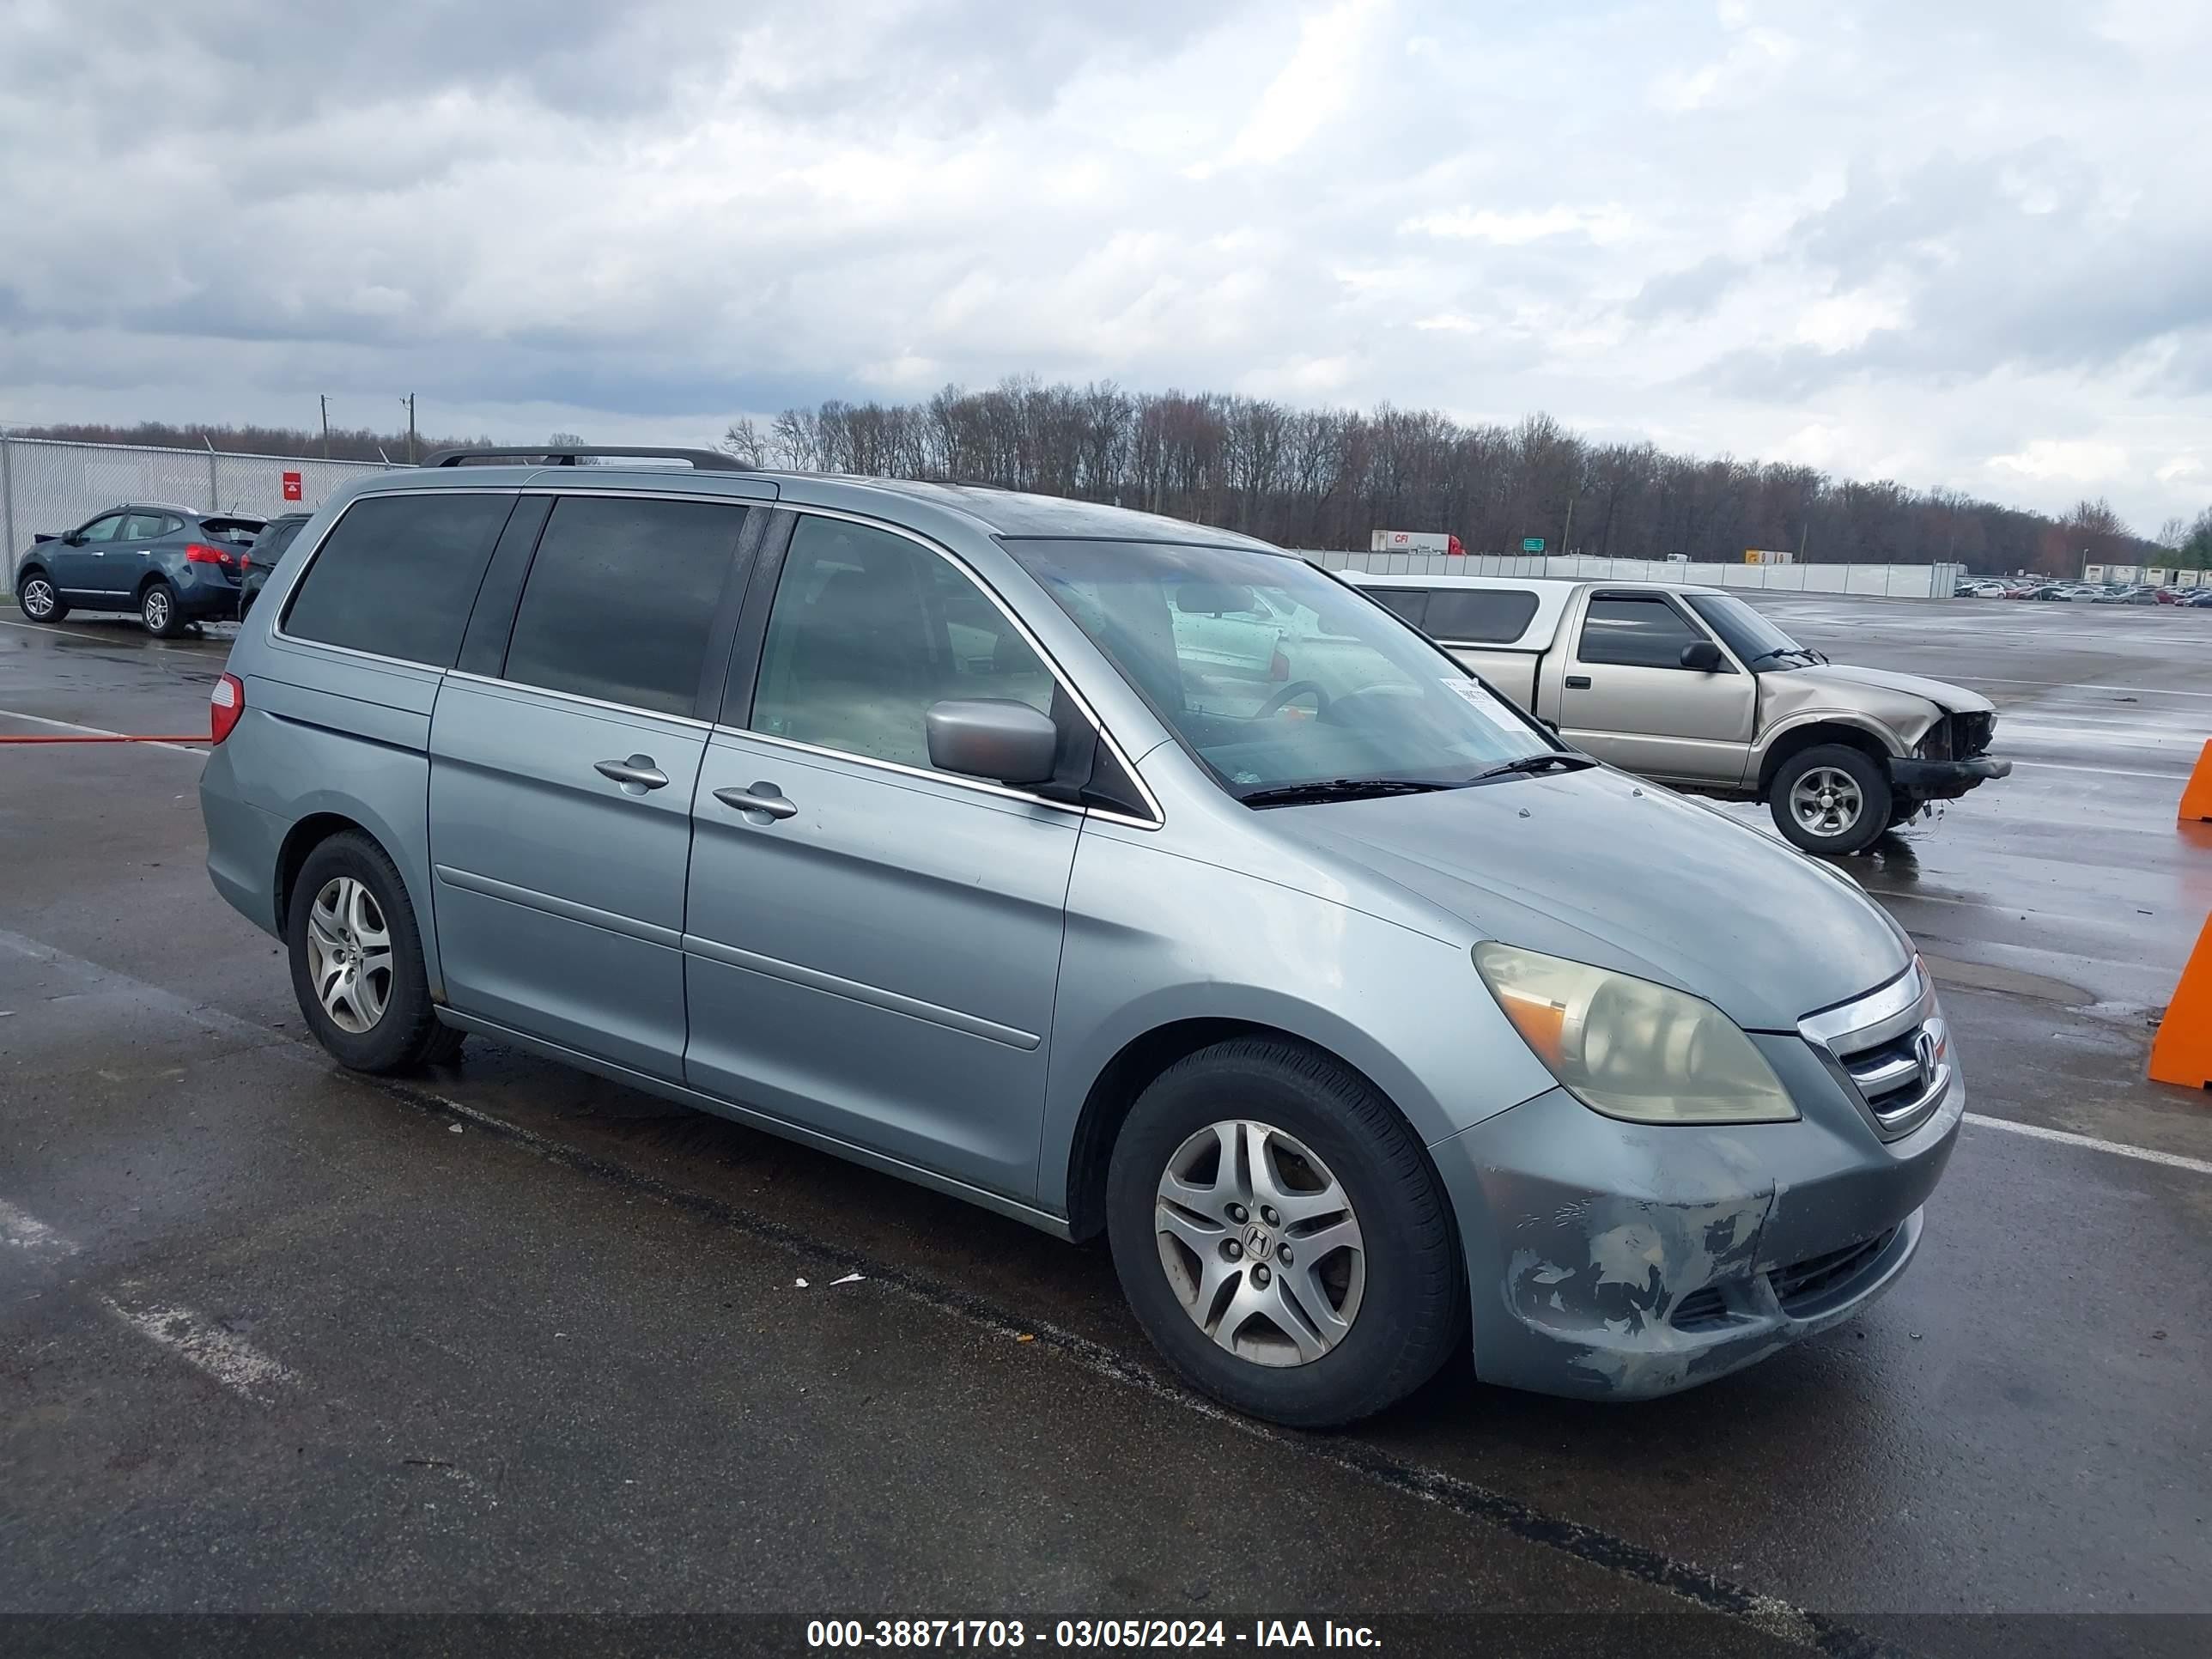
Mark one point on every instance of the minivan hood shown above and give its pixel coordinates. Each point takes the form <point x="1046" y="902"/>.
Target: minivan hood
<point x="1955" y="698"/>
<point x="1600" y="867"/>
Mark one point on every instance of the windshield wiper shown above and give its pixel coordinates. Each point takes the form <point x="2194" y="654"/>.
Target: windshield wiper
<point x="1784" y="651"/>
<point x="1292" y="794"/>
<point x="1537" y="762"/>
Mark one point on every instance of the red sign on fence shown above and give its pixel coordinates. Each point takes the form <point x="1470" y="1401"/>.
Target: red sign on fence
<point x="292" y="487"/>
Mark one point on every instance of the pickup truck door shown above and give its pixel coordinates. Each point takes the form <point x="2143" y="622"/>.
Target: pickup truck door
<point x="1627" y="697"/>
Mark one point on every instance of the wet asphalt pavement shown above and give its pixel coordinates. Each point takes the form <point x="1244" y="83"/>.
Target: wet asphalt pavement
<point x="273" y="1338"/>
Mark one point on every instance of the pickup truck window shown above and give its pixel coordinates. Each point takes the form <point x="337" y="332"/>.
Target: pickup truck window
<point x="1762" y="646"/>
<point x="1273" y="675"/>
<point x="1410" y="603"/>
<point x="1635" y="631"/>
<point x="1479" y="616"/>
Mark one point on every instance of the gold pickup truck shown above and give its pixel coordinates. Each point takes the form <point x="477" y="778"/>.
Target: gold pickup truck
<point x="1693" y="688"/>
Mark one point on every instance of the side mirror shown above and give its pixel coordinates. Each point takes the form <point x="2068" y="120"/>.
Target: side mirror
<point x="72" y="540"/>
<point x="1703" y="655"/>
<point x="992" y="738"/>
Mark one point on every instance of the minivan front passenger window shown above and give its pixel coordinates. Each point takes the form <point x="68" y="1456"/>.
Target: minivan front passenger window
<point x="621" y="597"/>
<point x="867" y="630"/>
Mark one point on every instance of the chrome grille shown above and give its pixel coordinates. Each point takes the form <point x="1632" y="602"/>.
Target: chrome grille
<point x="1891" y="1049"/>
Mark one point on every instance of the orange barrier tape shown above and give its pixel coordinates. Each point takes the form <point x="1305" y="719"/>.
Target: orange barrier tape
<point x="2182" y="1051"/>
<point x="2196" y="793"/>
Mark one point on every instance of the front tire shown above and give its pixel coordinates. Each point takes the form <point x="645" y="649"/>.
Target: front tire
<point x="357" y="960"/>
<point x="40" y="600"/>
<point x="1831" y="800"/>
<point x="157" y="608"/>
<point x="1282" y="1236"/>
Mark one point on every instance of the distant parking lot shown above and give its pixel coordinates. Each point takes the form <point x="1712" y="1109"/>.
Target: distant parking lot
<point x="510" y="1339"/>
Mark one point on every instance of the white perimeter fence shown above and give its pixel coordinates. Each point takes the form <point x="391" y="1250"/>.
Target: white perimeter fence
<point x="1901" y="581"/>
<point x="48" y="486"/>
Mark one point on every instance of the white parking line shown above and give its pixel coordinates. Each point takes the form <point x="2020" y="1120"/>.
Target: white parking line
<point x="96" y="731"/>
<point x="2067" y="1138"/>
<point x="22" y="1231"/>
<point x="2098" y="771"/>
<point x="206" y="1346"/>
<point x="2080" y="685"/>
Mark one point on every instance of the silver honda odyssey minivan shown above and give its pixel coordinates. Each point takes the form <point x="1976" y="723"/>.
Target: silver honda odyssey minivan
<point x="1118" y="874"/>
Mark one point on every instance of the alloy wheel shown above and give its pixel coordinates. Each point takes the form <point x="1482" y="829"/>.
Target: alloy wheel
<point x="1827" y="801"/>
<point x="155" y="609"/>
<point x="1260" y="1243"/>
<point x="38" y="599"/>
<point x="349" y="955"/>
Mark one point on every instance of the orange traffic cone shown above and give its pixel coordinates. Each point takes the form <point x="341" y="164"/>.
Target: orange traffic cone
<point x="2182" y="1051"/>
<point x="2196" y="793"/>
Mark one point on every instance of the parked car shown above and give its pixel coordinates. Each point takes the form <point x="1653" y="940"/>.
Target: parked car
<point x="173" y="565"/>
<point x="1366" y="1024"/>
<point x="1693" y="688"/>
<point x="2171" y="596"/>
<point x="258" y="561"/>
<point x="2129" y="593"/>
<point x="2198" y="598"/>
<point x="2062" y="592"/>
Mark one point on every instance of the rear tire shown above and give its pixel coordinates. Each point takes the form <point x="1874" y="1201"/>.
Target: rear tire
<point x="357" y="960"/>
<point x="39" y="599"/>
<point x="1371" y="1298"/>
<point x="1831" y="800"/>
<point x="157" y="608"/>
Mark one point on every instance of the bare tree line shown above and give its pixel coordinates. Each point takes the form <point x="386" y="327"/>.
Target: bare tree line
<point x="1326" y="478"/>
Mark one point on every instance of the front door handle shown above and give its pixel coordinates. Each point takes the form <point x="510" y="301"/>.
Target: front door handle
<point x="764" y="798"/>
<point x="637" y="774"/>
<point x="1578" y="683"/>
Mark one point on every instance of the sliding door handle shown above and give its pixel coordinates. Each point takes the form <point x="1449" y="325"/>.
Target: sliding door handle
<point x="638" y="773"/>
<point x="763" y="798"/>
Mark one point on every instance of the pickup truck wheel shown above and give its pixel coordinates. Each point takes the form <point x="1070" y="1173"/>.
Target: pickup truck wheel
<point x="1831" y="800"/>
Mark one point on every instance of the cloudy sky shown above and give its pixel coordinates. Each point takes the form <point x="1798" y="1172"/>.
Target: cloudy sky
<point x="1958" y="242"/>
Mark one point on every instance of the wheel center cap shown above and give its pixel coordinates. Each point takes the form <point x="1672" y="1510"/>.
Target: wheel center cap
<point x="1258" y="1241"/>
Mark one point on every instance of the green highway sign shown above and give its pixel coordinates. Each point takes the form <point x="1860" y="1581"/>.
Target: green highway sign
<point x="1532" y="545"/>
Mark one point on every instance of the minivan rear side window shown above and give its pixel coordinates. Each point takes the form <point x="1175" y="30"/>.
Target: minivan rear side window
<point x="621" y="598"/>
<point x="1480" y="615"/>
<point x="397" y="575"/>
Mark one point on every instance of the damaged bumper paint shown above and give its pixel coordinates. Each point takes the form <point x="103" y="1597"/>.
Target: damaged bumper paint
<point x="1621" y="1262"/>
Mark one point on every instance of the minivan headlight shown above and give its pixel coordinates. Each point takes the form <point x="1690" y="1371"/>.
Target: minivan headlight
<point x="1630" y="1048"/>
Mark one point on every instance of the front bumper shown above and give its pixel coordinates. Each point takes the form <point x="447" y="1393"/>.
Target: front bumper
<point x="1619" y="1261"/>
<point x="1944" y="780"/>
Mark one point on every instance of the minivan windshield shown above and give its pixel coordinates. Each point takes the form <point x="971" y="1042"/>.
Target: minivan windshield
<point x="1287" y="684"/>
<point x="1760" y="644"/>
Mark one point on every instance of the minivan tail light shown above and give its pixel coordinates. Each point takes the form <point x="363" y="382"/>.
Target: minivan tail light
<point x="225" y="704"/>
<point x="201" y="553"/>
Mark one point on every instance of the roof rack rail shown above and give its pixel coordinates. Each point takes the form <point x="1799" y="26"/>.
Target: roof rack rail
<point x="703" y="460"/>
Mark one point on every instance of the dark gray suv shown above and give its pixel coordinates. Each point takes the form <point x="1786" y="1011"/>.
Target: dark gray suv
<point x="173" y="565"/>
